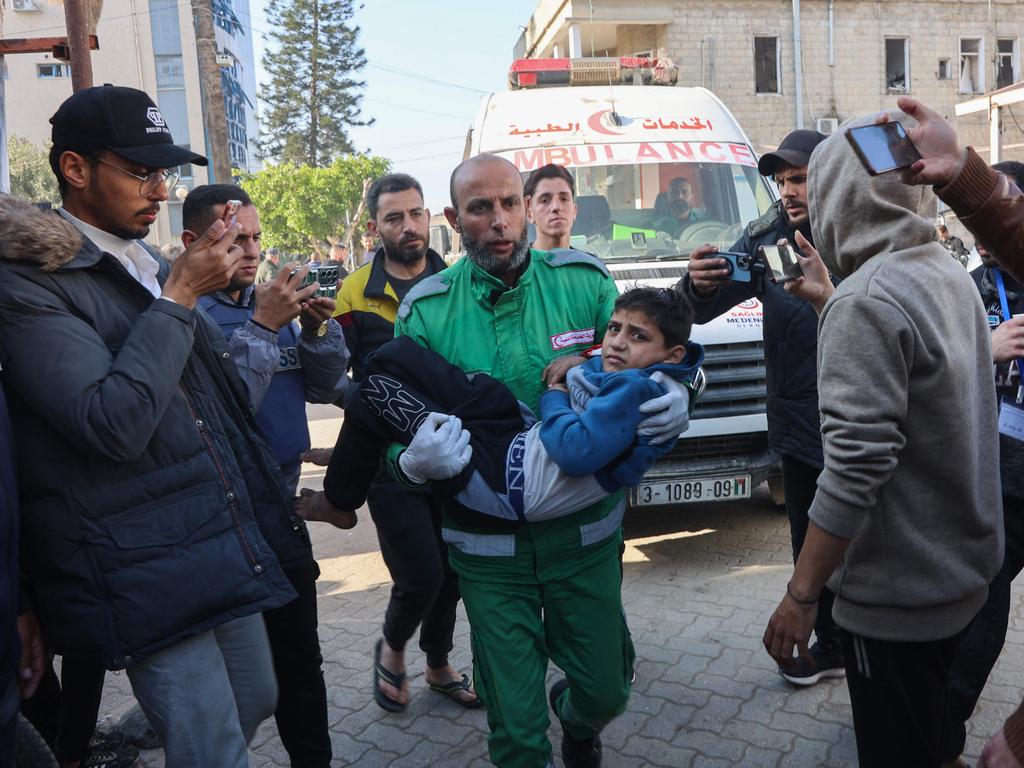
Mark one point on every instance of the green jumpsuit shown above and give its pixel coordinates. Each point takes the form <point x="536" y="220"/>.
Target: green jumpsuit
<point x="551" y="589"/>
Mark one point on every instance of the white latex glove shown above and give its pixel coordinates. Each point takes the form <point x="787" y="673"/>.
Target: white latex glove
<point x="439" y="450"/>
<point x="670" y="413"/>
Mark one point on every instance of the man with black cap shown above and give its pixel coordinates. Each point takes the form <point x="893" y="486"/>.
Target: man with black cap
<point x="790" y="350"/>
<point x="153" y="513"/>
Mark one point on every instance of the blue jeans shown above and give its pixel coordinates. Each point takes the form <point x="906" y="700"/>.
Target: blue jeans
<point x="206" y="696"/>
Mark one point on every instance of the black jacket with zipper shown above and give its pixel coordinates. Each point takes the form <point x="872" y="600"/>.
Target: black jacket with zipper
<point x="151" y="508"/>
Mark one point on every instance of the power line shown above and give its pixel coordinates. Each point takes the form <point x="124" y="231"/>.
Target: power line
<point x="422" y="143"/>
<point x="424" y="78"/>
<point x="425" y="157"/>
<point x="416" y="109"/>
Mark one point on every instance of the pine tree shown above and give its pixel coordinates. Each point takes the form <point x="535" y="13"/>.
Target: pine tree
<point x="313" y="95"/>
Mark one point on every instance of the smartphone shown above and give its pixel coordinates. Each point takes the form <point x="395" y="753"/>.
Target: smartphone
<point x="231" y="211"/>
<point x="883" y="147"/>
<point x="738" y="264"/>
<point x="783" y="265"/>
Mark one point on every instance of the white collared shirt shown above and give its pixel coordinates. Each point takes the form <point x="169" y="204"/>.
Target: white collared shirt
<point x="133" y="257"/>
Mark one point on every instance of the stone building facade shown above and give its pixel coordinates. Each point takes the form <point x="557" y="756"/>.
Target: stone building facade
<point x="857" y="55"/>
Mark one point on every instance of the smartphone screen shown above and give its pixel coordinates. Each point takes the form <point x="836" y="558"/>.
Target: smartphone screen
<point x="782" y="263"/>
<point x="884" y="147"/>
<point x="774" y="260"/>
<point x="230" y="215"/>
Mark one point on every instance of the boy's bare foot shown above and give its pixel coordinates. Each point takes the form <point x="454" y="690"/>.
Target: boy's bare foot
<point x="313" y="506"/>
<point x="319" y="456"/>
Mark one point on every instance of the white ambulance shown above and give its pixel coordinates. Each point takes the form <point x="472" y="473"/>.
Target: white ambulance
<point x="625" y="146"/>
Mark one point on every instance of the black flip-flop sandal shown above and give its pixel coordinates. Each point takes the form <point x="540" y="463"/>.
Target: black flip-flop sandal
<point x="384" y="701"/>
<point x="452" y="689"/>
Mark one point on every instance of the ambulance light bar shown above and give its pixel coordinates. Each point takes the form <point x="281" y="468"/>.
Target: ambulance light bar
<point x="547" y="73"/>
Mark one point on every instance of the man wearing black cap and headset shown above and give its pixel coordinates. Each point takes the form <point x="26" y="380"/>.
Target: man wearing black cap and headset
<point x="153" y="513"/>
<point x="790" y="350"/>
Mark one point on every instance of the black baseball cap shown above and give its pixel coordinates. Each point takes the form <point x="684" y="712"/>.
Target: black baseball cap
<point x="795" y="150"/>
<point x="122" y="120"/>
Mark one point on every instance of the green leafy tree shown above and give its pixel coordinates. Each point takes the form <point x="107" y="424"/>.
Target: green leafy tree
<point x="313" y="95"/>
<point x="302" y="207"/>
<point x="31" y="177"/>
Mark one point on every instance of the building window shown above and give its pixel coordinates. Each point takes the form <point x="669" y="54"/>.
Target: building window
<point x="170" y="72"/>
<point x="1007" y="62"/>
<point x="53" y="70"/>
<point x="897" y="65"/>
<point x="945" y="70"/>
<point x="972" y="70"/>
<point x="766" y="65"/>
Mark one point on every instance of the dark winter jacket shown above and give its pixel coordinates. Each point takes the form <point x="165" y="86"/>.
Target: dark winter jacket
<point x="1011" y="451"/>
<point x="9" y="644"/>
<point x="403" y="382"/>
<point x="790" y="343"/>
<point x="148" y="497"/>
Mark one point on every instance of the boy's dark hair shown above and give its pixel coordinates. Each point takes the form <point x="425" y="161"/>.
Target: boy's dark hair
<point x="197" y="210"/>
<point x="667" y="308"/>
<point x="1014" y="170"/>
<point x="388" y="185"/>
<point x="549" y="171"/>
<point x="90" y="156"/>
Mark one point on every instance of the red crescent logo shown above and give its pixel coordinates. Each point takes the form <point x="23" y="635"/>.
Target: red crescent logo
<point x="594" y="121"/>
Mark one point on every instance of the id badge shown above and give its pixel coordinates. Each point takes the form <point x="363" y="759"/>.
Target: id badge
<point x="1011" y="418"/>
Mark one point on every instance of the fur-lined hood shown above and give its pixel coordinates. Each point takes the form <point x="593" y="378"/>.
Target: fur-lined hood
<point x="29" y="233"/>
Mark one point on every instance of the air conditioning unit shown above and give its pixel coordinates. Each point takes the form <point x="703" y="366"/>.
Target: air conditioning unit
<point x="24" y="6"/>
<point x="827" y="125"/>
<point x="225" y="60"/>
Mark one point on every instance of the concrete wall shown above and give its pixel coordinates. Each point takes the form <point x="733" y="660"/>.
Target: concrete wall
<point x="712" y="43"/>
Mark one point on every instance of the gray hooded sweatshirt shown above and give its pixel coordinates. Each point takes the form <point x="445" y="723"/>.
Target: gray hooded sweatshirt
<point x="908" y="412"/>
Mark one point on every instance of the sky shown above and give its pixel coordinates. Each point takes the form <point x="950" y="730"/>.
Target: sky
<point x="448" y="55"/>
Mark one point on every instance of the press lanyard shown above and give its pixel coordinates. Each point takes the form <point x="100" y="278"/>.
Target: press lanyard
<point x="1001" y="287"/>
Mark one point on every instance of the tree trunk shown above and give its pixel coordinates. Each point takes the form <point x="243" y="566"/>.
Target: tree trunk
<point x="314" y="101"/>
<point x="214" y="112"/>
<point x="5" y="168"/>
<point x="77" y="19"/>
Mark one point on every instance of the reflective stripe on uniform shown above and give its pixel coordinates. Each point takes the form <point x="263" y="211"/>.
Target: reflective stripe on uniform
<point x="480" y="544"/>
<point x="591" y="533"/>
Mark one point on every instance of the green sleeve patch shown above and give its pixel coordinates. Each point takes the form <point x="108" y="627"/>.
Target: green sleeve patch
<point x="430" y="286"/>
<point x="559" y="257"/>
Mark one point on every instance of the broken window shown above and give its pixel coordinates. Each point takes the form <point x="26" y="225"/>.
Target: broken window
<point x="972" y="72"/>
<point x="945" y="71"/>
<point x="897" y="65"/>
<point x="766" y="65"/>
<point x="1006" y="62"/>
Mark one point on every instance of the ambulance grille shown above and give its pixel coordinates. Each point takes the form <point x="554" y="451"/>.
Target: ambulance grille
<point x="736" y="381"/>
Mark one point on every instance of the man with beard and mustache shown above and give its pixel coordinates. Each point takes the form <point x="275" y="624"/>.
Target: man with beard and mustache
<point x="153" y="515"/>
<point x="539" y="590"/>
<point x="681" y="213"/>
<point x="790" y="349"/>
<point x="408" y="520"/>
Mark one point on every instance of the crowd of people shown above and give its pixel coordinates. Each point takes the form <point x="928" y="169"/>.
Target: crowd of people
<point x="152" y="431"/>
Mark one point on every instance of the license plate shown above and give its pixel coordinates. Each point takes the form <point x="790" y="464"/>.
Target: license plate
<point x="690" y="491"/>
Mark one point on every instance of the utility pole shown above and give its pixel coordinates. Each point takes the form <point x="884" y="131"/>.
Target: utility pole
<point x="214" y="112"/>
<point x="76" y="18"/>
<point x="5" y="167"/>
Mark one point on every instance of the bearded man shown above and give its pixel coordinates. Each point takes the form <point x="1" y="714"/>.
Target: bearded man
<point x="408" y="520"/>
<point x="548" y="590"/>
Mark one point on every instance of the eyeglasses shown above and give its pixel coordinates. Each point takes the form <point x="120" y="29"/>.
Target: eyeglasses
<point x="151" y="183"/>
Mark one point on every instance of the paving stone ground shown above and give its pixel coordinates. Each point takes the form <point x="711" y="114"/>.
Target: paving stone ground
<point x="700" y="583"/>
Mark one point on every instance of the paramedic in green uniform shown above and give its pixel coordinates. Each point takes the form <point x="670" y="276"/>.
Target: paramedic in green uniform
<point x="540" y="590"/>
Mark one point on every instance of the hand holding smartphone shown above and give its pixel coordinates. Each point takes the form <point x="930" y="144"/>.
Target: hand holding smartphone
<point x="783" y="265"/>
<point x="883" y="147"/>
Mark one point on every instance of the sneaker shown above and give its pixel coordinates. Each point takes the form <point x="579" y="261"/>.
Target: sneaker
<point x="575" y="754"/>
<point x="125" y="757"/>
<point x="825" y="663"/>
